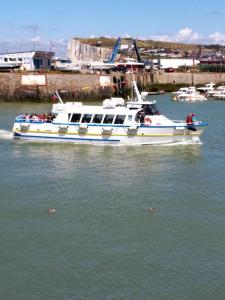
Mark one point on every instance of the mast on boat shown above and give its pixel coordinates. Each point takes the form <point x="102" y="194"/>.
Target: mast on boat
<point x="139" y="99"/>
<point x="59" y="98"/>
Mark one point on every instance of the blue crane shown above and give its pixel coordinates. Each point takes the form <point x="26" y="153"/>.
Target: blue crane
<point x="114" y="51"/>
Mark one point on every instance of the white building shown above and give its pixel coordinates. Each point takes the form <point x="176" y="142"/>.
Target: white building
<point x="174" y="63"/>
<point x="29" y="61"/>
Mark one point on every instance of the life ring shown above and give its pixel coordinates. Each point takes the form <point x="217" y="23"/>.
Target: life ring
<point x="147" y="121"/>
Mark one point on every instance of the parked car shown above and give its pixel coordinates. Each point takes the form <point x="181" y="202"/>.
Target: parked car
<point x="169" y="70"/>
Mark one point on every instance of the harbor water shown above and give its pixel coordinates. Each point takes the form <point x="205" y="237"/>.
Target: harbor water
<point x="100" y="240"/>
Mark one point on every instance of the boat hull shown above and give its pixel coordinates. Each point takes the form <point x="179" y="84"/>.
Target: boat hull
<point x="124" y="135"/>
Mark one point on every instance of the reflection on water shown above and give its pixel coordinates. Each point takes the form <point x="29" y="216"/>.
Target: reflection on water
<point x="117" y="160"/>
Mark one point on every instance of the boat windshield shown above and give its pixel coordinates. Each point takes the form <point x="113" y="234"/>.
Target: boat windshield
<point x="65" y="61"/>
<point x="150" y="109"/>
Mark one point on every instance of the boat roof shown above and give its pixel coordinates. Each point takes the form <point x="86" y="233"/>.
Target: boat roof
<point x="71" y="107"/>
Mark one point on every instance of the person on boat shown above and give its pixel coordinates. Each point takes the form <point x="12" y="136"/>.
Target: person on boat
<point x="191" y="118"/>
<point x="34" y="117"/>
<point x="140" y="116"/>
<point x="27" y="117"/>
<point x="49" y="118"/>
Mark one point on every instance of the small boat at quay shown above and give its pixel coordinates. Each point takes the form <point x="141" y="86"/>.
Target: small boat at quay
<point x="208" y="87"/>
<point x="188" y="95"/>
<point x="136" y="122"/>
<point x="217" y="93"/>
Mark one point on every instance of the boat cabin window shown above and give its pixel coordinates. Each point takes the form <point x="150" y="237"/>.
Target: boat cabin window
<point x="75" y="118"/>
<point x="150" y="109"/>
<point x="97" y="118"/>
<point x="108" y="119"/>
<point x="119" y="119"/>
<point x="86" y="118"/>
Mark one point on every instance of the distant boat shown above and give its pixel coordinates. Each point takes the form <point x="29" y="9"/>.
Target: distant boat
<point x="64" y="64"/>
<point x="188" y="94"/>
<point x="107" y="64"/>
<point x="156" y="93"/>
<point x="129" y="64"/>
<point x="10" y="65"/>
<point x="101" y="66"/>
<point x="216" y="92"/>
<point x="209" y="87"/>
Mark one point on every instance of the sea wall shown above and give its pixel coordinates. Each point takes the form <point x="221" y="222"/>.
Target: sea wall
<point x="87" y="86"/>
<point x="75" y="86"/>
<point x="188" y="78"/>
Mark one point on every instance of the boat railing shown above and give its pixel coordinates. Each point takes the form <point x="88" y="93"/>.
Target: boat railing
<point x="30" y="118"/>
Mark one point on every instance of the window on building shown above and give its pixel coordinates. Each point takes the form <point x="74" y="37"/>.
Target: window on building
<point x="86" y="118"/>
<point x="75" y="118"/>
<point x="97" y="118"/>
<point x="108" y="119"/>
<point x="38" y="63"/>
<point x="119" y="119"/>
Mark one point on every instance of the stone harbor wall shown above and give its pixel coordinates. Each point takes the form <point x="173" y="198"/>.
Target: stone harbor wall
<point x="74" y="86"/>
<point x="87" y="86"/>
<point x="188" y="78"/>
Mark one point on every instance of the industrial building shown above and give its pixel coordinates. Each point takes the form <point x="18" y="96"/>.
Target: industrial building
<point x="29" y="60"/>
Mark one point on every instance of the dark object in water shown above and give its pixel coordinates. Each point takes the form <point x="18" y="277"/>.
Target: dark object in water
<point x="151" y="210"/>
<point x="51" y="210"/>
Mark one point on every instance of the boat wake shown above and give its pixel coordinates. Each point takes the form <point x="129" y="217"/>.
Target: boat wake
<point x="184" y="143"/>
<point x="5" y="134"/>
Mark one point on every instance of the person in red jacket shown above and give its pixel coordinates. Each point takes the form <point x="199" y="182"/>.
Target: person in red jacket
<point x="190" y="121"/>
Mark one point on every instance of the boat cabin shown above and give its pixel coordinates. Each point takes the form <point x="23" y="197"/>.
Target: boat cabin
<point x="74" y="112"/>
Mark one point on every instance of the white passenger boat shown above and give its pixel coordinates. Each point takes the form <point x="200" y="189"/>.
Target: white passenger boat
<point x="136" y="122"/>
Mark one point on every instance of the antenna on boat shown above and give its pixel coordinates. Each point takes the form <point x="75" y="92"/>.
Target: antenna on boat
<point x="60" y="99"/>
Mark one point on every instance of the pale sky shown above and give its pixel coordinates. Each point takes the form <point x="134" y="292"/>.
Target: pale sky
<point x="52" y="23"/>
